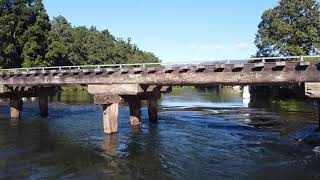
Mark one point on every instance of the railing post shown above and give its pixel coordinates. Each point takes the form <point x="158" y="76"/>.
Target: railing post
<point x="301" y="58"/>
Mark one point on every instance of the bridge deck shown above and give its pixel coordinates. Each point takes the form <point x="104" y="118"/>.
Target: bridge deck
<point x="181" y="75"/>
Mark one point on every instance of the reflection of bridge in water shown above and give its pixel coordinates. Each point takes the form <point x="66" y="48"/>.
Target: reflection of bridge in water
<point x="132" y="83"/>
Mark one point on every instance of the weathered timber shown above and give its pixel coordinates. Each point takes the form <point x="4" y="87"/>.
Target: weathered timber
<point x="110" y="118"/>
<point x="43" y="101"/>
<point x="16" y="106"/>
<point x="222" y="74"/>
<point x="4" y="89"/>
<point x="153" y="109"/>
<point x="166" y="89"/>
<point x="107" y="99"/>
<point x="135" y="111"/>
<point x="312" y="90"/>
<point x="120" y="89"/>
<point x="27" y="91"/>
<point x="151" y="88"/>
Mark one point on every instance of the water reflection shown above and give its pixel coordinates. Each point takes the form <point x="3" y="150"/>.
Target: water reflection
<point x="110" y="145"/>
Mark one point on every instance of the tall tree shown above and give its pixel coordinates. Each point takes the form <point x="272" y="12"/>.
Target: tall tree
<point x="291" y="28"/>
<point x="23" y="30"/>
<point x="59" y="42"/>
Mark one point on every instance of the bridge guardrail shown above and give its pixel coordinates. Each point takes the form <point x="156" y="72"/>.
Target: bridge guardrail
<point x="143" y="65"/>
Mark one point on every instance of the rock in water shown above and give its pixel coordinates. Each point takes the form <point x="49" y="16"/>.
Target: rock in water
<point x="313" y="139"/>
<point x="316" y="150"/>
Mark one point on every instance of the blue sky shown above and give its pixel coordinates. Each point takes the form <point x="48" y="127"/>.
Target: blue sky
<point x="175" y="30"/>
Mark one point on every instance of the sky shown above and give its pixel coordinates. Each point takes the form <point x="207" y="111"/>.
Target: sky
<point x="174" y="30"/>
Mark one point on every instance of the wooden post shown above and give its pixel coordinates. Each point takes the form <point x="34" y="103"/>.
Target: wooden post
<point x="15" y="107"/>
<point x="110" y="118"/>
<point x="43" y="105"/>
<point x="152" y="109"/>
<point x="318" y="103"/>
<point x="135" y="111"/>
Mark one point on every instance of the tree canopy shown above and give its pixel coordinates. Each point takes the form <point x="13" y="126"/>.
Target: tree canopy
<point x="23" y="30"/>
<point x="28" y="38"/>
<point x="291" y="28"/>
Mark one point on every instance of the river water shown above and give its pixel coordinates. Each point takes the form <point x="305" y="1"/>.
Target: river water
<point x="208" y="134"/>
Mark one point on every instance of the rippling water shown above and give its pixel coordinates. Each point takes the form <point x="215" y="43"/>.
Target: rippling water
<point x="200" y="135"/>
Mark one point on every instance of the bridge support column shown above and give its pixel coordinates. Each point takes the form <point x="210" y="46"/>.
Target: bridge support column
<point x="152" y="109"/>
<point x="16" y="105"/>
<point x="135" y="111"/>
<point x="318" y="104"/>
<point x="43" y="104"/>
<point x="110" y="118"/>
<point x="110" y="106"/>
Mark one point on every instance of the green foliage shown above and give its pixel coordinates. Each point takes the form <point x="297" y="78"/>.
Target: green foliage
<point x="80" y="46"/>
<point x="291" y="28"/>
<point x="27" y="38"/>
<point x="59" y="42"/>
<point x="23" y="30"/>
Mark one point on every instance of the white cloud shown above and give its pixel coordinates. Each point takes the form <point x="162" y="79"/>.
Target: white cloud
<point x="242" y="45"/>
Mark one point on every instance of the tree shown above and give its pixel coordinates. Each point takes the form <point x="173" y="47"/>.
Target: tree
<point x="291" y="28"/>
<point x="28" y="39"/>
<point x="59" y="42"/>
<point x="23" y="30"/>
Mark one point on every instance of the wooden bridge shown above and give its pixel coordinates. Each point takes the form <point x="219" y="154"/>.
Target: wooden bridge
<point x="132" y="83"/>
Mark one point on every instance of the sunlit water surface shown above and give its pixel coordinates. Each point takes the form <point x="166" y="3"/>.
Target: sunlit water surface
<point x="199" y="135"/>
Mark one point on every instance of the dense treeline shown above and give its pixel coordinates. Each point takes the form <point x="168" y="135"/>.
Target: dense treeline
<point x="290" y="29"/>
<point x="28" y="38"/>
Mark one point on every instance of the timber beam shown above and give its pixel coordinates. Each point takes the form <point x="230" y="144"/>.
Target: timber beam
<point x="214" y="74"/>
<point x="26" y="91"/>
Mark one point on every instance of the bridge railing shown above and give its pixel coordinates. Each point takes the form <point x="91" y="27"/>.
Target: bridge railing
<point x="167" y="64"/>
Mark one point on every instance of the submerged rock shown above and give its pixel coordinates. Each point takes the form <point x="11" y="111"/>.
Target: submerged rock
<point x="313" y="139"/>
<point x="316" y="150"/>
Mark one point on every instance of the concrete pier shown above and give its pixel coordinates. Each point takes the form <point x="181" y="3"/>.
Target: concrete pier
<point x="153" y="110"/>
<point x="135" y="112"/>
<point x="16" y="105"/>
<point x="110" y="118"/>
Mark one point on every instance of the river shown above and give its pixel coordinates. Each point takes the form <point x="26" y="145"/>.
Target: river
<point x="208" y="134"/>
